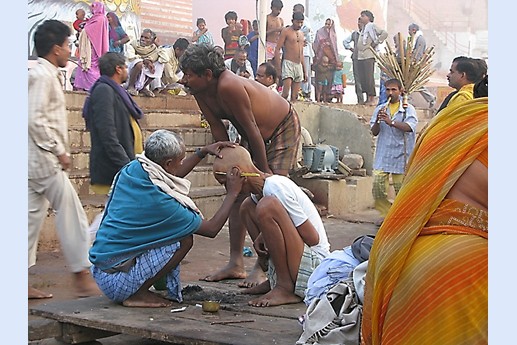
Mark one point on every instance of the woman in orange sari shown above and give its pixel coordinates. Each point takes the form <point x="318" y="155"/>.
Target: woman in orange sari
<point x="427" y="280"/>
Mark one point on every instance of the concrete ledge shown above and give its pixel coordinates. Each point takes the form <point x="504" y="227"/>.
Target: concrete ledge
<point x="340" y="197"/>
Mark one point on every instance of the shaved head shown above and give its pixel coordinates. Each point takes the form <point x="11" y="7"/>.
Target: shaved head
<point x="234" y="157"/>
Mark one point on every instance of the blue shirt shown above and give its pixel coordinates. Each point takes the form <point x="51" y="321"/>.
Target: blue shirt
<point x="389" y="152"/>
<point x="205" y="38"/>
<point x="253" y="52"/>
<point x="338" y="79"/>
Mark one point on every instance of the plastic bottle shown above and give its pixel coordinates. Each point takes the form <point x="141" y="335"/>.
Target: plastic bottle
<point x="347" y="151"/>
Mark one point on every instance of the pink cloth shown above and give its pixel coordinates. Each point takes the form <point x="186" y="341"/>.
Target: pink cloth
<point x="97" y="29"/>
<point x="325" y="41"/>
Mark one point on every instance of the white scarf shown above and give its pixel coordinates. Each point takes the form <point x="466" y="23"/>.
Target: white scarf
<point x="175" y="186"/>
<point x="415" y="37"/>
<point x="369" y="30"/>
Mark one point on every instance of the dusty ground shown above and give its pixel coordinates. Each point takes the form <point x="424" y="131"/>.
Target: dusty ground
<point x="207" y="255"/>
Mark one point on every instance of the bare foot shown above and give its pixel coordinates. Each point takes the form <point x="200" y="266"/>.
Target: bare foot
<point x="277" y="296"/>
<point x="146" y="299"/>
<point x="84" y="285"/>
<point x="230" y="271"/>
<point x="256" y="277"/>
<point x="38" y="294"/>
<point x="259" y="289"/>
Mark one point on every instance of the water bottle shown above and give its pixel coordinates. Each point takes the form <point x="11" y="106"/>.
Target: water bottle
<point x="347" y="151"/>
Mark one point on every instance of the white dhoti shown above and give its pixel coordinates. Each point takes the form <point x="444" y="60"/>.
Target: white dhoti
<point x="146" y="73"/>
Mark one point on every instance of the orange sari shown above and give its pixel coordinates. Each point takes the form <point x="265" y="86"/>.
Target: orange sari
<point x="427" y="280"/>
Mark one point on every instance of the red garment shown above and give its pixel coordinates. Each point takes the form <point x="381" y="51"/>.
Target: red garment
<point x="79" y="24"/>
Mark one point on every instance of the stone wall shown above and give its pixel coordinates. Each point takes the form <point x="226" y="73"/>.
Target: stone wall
<point x="339" y="128"/>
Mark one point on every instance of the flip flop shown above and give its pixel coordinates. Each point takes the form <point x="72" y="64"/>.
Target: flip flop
<point x="147" y="93"/>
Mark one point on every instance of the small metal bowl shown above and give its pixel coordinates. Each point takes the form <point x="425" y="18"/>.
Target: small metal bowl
<point x="211" y="306"/>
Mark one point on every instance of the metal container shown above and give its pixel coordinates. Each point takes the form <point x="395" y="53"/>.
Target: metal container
<point x="210" y="306"/>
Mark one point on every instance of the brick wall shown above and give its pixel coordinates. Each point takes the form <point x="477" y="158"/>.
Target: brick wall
<point x="169" y="19"/>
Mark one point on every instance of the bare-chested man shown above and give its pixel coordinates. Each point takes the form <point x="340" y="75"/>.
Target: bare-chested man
<point x="267" y="123"/>
<point x="293" y="67"/>
<point x="274" y="26"/>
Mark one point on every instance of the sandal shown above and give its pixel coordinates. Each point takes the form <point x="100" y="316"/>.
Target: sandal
<point x="147" y="92"/>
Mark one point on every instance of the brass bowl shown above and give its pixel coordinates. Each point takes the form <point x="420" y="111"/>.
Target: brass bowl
<point x="210" y="306"/>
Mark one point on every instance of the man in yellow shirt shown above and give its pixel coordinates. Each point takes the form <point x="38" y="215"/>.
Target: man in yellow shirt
<point x="464" y="72"/>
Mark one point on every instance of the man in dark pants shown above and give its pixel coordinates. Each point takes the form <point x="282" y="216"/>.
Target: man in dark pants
<point x="354" y="36"/>
<point x="111" y="116"/>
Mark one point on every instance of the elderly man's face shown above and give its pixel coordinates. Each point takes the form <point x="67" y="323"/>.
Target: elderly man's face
<point x="241" y="59"/>
<point x="146" y="39"/>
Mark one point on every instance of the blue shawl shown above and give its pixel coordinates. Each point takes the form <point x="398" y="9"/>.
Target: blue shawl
<point x="139" y="216"/>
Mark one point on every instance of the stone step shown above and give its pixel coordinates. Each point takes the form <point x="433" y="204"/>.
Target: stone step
<point x="81" y="158"/>
<point x="200" y="176"/>
<point x="208" y="199"/>
<point x="79" y="138"/>
<point x="153" y="118"/>
<point x="183" y="104"/>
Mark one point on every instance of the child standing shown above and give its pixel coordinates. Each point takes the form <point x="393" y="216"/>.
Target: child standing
<point x="201" y="35"/>
<point x="231" y="34"/>
<point x="324" y="74"/>
<point x="338" y="83"/>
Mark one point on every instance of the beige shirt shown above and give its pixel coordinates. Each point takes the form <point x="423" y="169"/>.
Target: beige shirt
<point x="48" y="120"/>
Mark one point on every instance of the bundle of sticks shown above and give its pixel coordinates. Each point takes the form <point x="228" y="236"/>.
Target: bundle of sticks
<point x="400" y="64"/>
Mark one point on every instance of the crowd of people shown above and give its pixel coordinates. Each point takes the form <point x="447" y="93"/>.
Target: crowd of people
<point x="426" y="276"/>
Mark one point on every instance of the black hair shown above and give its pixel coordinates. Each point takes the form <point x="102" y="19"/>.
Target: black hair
<point x="470" y="67"/>
<point x="201" y="57"/>
<point x="413" y="26"/>
<point x="298" y="16"/>
<point x="277" y="4"/>
<point x="299" y="6"/>
<point x="181" y="43"/>
<point x="199" y="21"/>
<point x="50" y="33"/>
<point x="481" y="88"/>
<point x="394" y="81"/>
<point x="230" y="15"/>
<point x="270" y="69"/>
<point x="482" y="68"/>
<point x="109" y="61"/>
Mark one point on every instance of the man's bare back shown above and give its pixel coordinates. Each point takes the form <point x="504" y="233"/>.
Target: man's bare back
<point x="239" y="99"/>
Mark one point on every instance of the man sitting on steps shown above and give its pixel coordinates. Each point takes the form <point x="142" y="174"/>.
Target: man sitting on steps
<point x="146" y="64"/>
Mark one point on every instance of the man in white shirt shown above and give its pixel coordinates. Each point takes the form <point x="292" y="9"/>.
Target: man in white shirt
<point x="49" y="160"/>
<point x="266" y="75"/>
<point x="240" y="65"/>
<point x="285" y="226"/>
